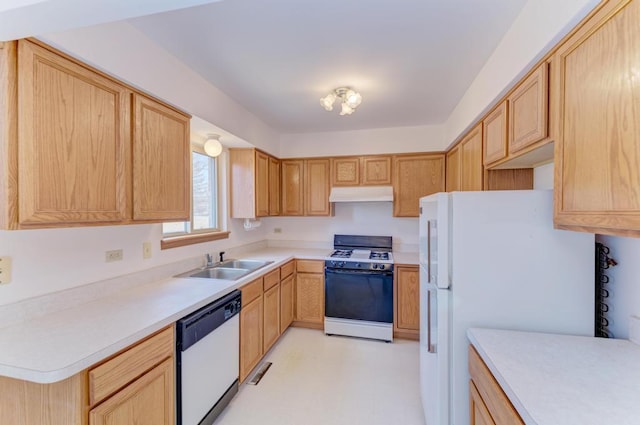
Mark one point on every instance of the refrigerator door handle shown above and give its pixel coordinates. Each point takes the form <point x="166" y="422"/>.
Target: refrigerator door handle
<point x="430" y="347"/>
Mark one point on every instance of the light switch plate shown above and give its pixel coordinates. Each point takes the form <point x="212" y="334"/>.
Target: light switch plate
<point x="115" y="255"/>
<point x="146" y="250"/>
<point x="5" y="270"/>
<point x="634" y="329"/>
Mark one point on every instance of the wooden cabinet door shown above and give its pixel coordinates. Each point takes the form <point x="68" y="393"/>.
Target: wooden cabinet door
<point x="376" y="170"/>
<point x="479" y="413"/>
<point x="453" y="170"/>
<point x="316" y="187"/>
<point x="472" y="167"/>
<point x="407" y="305"/>
<point x="310" y="298"/>
<point x="293" y="187"/>
<point x="262" y="184"/>
<point x="415" y="176"/>
<point x="494" y="130"/>
<point x="274" y="186"/>
<point x="286" y="303"/>
<point x="597" y="151"/>
<point x="271" y="317"/>
<point x="161" y="162"/>
<point x="250" y="336"/>
<point x="528" y="110"/>
<point x="73" y="142"/>
<point x="147" y="401"/>
<point x="345" y="171"/>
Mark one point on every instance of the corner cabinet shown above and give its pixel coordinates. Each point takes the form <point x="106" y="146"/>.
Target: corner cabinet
<point x="416" y="176"/>
<point x="79" y="148"/>
<point x="597" y="178"/>
<point x="255" y="184"/>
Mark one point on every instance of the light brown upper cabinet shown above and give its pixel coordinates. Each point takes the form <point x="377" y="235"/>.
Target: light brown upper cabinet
<point x="495" y="130"/>
<point x="161" y="162"/>
<point x="415" y="176"/>
<point x="597" y="86"/>
<point x="316" y="184"/>
<point x="374" y="170"/>
<point x="274" y="186"/>
<point x="73" y="141"/>
<point x="471" y="167"/>
<point x="292" y="187"/>
<point x="255" y="183"/>
<point x="453" y="169"/>
<point x="79" y="148"/>
<point x="305" y="187"/>
<point x="528" y="110"/>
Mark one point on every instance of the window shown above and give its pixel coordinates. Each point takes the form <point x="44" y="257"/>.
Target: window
<point x="205" y="221"/>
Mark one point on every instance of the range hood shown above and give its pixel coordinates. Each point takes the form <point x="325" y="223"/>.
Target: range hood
<point x="361" y="194"/>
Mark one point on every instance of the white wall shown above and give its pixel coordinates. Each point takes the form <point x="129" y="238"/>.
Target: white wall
<point x="359" y="142"/>
<point x="538" y="27"/>
<point x="365" y="218"/>
<point x="543" y="177"/>
<point x="125" y="52"/>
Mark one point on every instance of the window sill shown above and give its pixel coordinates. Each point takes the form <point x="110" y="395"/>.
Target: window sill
<point x="193" y="239"/>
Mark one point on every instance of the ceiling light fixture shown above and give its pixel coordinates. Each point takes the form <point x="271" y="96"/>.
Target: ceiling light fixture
<point x="212" y="145"/>
<point x="349" y="98"/>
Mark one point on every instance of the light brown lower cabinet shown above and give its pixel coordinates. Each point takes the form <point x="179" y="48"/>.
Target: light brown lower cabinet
<point x="310" y="293"/>
<point x="407" y="302"/>
<point x="271" y="305"/>
<point x="488" y="404"/>
<point x="251" y="320"/>
<point x="287" y="306"/>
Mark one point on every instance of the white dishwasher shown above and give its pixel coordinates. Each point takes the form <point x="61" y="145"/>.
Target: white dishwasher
<point x="207" y="360"/>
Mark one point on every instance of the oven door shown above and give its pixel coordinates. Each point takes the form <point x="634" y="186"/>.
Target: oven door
<point x="359" y="295"/>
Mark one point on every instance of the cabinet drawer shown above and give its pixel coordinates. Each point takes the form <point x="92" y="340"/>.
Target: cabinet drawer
<point x="310" y="266"/>
<point x="496" y="401"/>
<point x="127" y="366"/>
<point x="271" y="279"/>
<point x="251" y="291"/>
<point x="287" y="269"/>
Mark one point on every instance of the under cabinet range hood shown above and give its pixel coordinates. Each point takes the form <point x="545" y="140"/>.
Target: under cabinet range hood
<point x="361" y="194"/>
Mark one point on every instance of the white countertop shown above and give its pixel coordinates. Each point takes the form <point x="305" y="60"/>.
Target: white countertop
<point x="559" y="379"/>
<point x="56" y="346"/>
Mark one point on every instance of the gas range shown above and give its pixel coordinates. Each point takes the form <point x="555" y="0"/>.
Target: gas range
<point x="361" y="253"/>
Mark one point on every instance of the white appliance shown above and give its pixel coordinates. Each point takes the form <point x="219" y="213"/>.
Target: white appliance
<point x="493" y="259"/>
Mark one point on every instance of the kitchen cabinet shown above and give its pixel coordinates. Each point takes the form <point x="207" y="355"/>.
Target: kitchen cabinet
<point x="316" y="187"/>
<point x="271" y="309"/>
<point x="596" y="86"/>
<point x="79" y="148"/>
<point x="373" y="170"/>
<point x="495" y="133"/>
<point x="528" y="110"/>
<point x="161" y="162"/>
<point x="133" y="386"/>
<point x="415" y="176"/>
<point x="407" y="302"/>
<point x="274" y="186"/>
<point x="292" y="187"/>
<point x="452" y="180"/>
<point x="310" y="293"/>
<point x="287" y="300"/>
<point x="471" y="165"/>
<point x="251" y="321"/>
<point x="255" y="184"/>
<point x="488" y="402"/>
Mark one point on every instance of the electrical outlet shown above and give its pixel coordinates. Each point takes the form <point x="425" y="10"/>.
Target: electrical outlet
<point x="277" y="230"/>
<point x="5" y="270"/>
<point x="111" y="256"/>
<point x="146" y="250"/>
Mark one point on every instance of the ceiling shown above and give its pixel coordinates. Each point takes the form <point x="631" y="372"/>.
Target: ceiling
<point x="412" y="60"/>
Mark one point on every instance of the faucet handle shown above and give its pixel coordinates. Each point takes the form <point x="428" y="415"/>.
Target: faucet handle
<point x="209" y="259"/>
<point x="221" y="255"/>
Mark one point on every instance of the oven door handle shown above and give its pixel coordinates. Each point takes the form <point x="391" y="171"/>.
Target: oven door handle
<point x="360" y="272"/>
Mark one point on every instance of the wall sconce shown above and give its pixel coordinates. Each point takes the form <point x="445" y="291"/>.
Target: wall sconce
<point x="212" y="145"/>
<point x="349" y="98"/>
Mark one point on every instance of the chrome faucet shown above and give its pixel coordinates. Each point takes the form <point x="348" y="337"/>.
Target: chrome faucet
<point x="209" y="259"/>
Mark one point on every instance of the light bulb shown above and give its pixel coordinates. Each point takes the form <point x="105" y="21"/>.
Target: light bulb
<point x="346" y="109"/>
<point x="353" y="99"/>
<point x="327" y="101"/>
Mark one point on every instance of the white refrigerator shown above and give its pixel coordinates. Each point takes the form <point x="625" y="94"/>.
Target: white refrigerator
<point x="493" y="259"/>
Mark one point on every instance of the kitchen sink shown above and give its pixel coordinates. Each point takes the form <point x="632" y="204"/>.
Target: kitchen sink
<point x="217" y="273"/>
<point x="243" y="264"/>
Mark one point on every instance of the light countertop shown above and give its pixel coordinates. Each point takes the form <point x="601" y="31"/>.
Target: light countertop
<point x="56" y="346"/>
<point x="559" y="379"/>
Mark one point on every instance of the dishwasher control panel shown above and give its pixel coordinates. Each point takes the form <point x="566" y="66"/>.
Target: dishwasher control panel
<point x="231" y="309"/>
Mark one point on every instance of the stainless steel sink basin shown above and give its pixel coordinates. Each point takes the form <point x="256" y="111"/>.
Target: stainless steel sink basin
<point x="217" y="273"/>
<point x="243" y="264"/>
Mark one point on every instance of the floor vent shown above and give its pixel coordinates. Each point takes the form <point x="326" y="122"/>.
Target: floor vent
<point x="260" y="373"/>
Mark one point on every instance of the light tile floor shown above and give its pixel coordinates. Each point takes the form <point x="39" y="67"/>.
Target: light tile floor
<point x="332" y="380"/>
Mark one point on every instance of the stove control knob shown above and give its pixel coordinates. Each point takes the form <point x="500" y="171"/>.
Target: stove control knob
<point x="341" y="264"/>
<point x="375" y="265"/>
<point x="357" y="264"/>
<point x="381" y="266"/>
